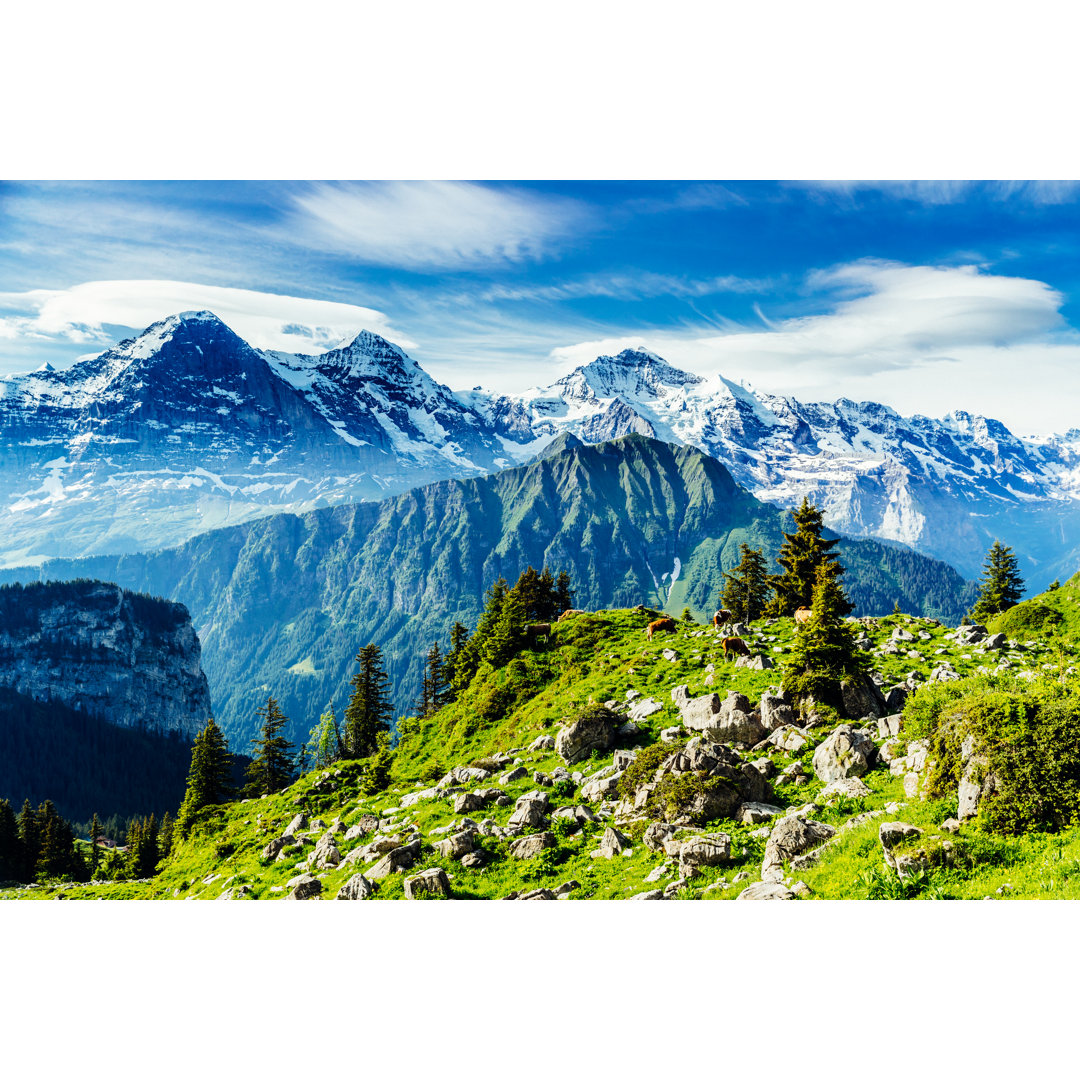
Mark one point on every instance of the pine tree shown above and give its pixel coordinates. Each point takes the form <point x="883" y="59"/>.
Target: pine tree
<point x="165" y="836"/>
<point x="209" y="777"/>
<point x="800" y="555"/>
<point x="459" y="635"/>
<point x="57" y="857"/>
<point x="370" y="709"/>
<point x="824" y="652"/>
<point x="1054" y="585"/>
<point x="95" y="836"/>
<point x="687" y="615"/>
<point x="29" y="840"/>
<point x="271" y="767"/>
<point x="324" y="740"/>
<point x="433" y="688"/>
<point x="564" y="595"/>
<point x="507" y="636"/>
<point x="377" y="772"/>
<point x="10" y="848"/>
<point x="747" y="586"/>
<point x="1000" y="585"/>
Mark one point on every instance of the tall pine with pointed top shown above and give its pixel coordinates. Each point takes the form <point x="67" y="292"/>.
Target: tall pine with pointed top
<point x="10" y="848"/>
<point x="824" y="653"/>
<point x="209" y="776"/>
<point x="271" y="768"/>
<point x="746" y="588"/>
<point x="370" y="708"/>
<point x="1000" y="585"/>
<point x="801" y="554"/>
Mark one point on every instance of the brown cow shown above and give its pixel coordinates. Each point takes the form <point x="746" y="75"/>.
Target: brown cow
<point x="722" y="618"/>
<point x="534" y="633"/>
<point x="802" y="615"/>
<point x="660" y="624"/>
<point x="571" y="611"/>
<point x="734" y="645"/>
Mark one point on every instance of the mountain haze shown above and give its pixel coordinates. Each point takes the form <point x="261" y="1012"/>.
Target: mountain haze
<point x="282" y="604"/>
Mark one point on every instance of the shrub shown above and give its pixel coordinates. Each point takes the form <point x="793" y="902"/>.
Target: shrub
<point x="641" y="769"/>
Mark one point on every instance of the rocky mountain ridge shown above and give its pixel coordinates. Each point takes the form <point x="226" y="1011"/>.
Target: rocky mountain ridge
<point x="187" y="428"/>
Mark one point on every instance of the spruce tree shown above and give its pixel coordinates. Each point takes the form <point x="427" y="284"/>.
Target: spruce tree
<point x="433" y="688"/>
<point x="10" y="848"/>
<point x="165" y="836"/>
<point x="1000" y="585"/>
<point x="209" y="776"/>
<point x="459" y="634"/>
<point x="824" y="652"/>
<point x="377" y="772"/>
<point x="747" y="586"/>
<point x="29" y="841"/>
<point x="564" y="595"/>
<point x="801" y="554"/>
<point x="271" y="767"/>
<point x="95" y="836"/>
<point x="370" y="709"/>
<point x="507" y="636"/>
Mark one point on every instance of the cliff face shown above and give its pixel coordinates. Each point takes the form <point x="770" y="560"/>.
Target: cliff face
<point x="118" y="656"/>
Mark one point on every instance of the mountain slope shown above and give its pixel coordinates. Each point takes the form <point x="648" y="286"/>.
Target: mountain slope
<point x="283" y="604"/>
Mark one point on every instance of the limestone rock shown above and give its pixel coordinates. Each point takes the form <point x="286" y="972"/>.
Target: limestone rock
<point x="711" y="849"/>
<point x="642" y="710"/>
<point x="862" y="698"/>
<point x="428" y="885"/>
<point x="753" y="813"/>
<point x="393" y="862"/>
<point x="613" y="843"/>
<point x="790" y="837"/>
<point x="591" y="733"/>
<point x="766" y="890"/>
<point x="851" y="786"/>
<point x="775" y="712"/>
<point x="528" y="847"/>
<point x="454" y="847"/>
<point x="304" y="888"/>
<point x="846" y="752"/>
<point x="356" y="888"/>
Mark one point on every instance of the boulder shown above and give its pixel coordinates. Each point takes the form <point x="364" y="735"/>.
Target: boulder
<point x="514" y="774"/>
<point x="454" y="847"/>
<point x="754" y="813"/>
<point x="613" y="843"/>
<point x="273" y="849"/>
<point x="846" y="752"/>
<point x="766" y="890"/>
<point x="467" y="802"/>
<point x="542" y="742"/>
<point x="850" y="786"/>
<point x="595" y="731"/>
<point x="642" y="710"/>
<point x="711" y="849"/>
<point x="601" y="787"/>
<point x="995" y="641"/>
<point x="896" y="697"/>
<point x="299" y="822"/>
<point x="356" y="888"/>
<point x="775" y="712"/>
<point x="304" y="887"/>
<point x="727" y="719"/>
<point x="528" y="847"/>
<point x="393" y="862"/>
<point x="888" y="727"/>
<point x="430" y="884"/>
<point x="862" y="698"/>
<point x="656" y="833"/>
<point x="474" y="859"/>
<point x="791" y="836"/>
<point x="789" y="739"/>
<point x="419" y="796"/>
<point x="325" y="855"/>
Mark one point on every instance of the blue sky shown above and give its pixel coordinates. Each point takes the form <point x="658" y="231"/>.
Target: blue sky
<point x="926" y="296"/>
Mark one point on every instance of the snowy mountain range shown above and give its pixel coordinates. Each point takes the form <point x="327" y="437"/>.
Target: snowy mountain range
<point x="187" y="427"/>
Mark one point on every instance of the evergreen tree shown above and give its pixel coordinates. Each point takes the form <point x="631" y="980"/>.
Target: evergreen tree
<point x="824" y="652"/>
<point x="471" y="655"/>
<point x="29" y="840"/>
<point x="687" y="615"/>
<point x="10" y="848"/>
<point x="57" y="857"/>
<point x="459" y="635"/>
<point x="271" y="767"/>
<point x="1054" y="585"/>
<point x="209" y="777"/>
<point x="747" y="586"/>
<point x="165" y="836"/>
<point x="324" y="740"/>
<point x="433" y="688"/>
<point x="1000" y="585"/>
<point x="564" y="595"/>
<point x="95" y="836"/>
<point x="370" y="709"/>
<point x="507" y="636"/>
<point x="801" y="554"/>
<point x="377" y="772"/>
<point x="896" y="608"/>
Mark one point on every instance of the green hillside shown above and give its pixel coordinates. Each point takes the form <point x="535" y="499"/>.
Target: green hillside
<point x="594" y="827"/>
<point x="282" y="604"/>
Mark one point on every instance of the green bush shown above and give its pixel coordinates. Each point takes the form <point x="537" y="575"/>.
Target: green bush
<point x="641" y="769"/>
<point x="1027" y="620"/>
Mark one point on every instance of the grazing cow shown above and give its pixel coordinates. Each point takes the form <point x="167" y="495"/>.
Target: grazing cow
<point x="571" y="611"/>
<point x="734" y="645"/>
<point x="722" y="618"/>
<point x="660" y="624"/>
<point x="802" y="615"/>
<point x="534" y="633"/>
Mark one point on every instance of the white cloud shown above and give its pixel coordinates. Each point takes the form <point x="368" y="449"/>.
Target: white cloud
<point x="920" y="338"/>
<point x="945" y="192"/>
<point x="266" y="320"/>
<point x="635" y="286"/>
<point x="429" y="225"/>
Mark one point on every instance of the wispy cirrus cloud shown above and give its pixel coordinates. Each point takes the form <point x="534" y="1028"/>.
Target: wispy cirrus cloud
<point x="950" y="192"/>
<point x="630" y="286"/>
<point x="434" y="225"/>
<point x="80" y="314"/>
